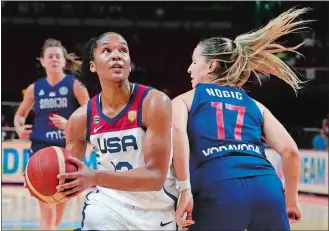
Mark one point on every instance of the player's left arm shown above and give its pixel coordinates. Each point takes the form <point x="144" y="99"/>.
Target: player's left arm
<point x="80" y="92"/>
<point x="180" y="140"/>
<point x="157" y="148"/>
<point x="181" y="162"/>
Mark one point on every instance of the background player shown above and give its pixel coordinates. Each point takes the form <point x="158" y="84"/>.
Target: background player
<point x="130" y="124"/>
<point x="54" y="98"/>
<point x="234" y="186"/>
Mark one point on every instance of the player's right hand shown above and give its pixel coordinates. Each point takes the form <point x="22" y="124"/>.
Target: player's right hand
<point x="294" y="213"/>
<point x="184" y="210"/>
<point x="24" y="131"/>
<point x="58" y="121"/>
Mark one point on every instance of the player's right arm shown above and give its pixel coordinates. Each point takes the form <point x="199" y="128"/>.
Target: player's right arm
<point x="24" y="130"/>
<point x="75" y="132"/>
<point x="75" y="135"/>
<point x="277" y="137"/>
<point x="157" y="148"/>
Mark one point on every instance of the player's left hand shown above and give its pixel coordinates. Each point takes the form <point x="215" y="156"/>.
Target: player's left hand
<point x="184" y="210"/>
<point x="294" y="213"/>
<point x="58" y="121"/>
<point x="81" y="180"/>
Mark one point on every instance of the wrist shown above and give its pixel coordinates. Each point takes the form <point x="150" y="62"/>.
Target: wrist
<point x="64" y="124"/>
<point x="291" y="197"/>
<point x="94" y="177"/>
<point x="184" y="185"/>
<point x="17" y="126"/>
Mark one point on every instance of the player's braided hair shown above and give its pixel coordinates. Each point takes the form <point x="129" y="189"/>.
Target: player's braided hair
<point x="72" y="62"/>
<point x="255" y="52"/>
<point x="85" y="75"/>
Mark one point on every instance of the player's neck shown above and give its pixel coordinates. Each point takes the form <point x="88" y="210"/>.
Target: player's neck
<point x="54" y="77"/>
<point x="116" y="94"/>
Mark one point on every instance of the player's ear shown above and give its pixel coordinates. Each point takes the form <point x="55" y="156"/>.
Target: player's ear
<point x="92" y="66"/>
<point x="42" y="61"/>
<point x="213" y="66"/>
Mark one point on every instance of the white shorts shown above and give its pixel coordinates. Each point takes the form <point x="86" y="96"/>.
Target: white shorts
<point x="98" y="216"/>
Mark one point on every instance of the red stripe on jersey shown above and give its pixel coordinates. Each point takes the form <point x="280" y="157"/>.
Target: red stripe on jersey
<point x="100" y="123"/>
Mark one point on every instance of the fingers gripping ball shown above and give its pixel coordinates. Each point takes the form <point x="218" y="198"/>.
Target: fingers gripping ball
<point x="42" y="170"/>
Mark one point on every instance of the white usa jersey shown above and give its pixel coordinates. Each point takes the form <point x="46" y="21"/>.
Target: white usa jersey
<point x="119" y="143"/>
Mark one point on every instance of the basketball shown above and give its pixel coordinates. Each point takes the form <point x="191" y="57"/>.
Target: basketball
<point x="42" y="170"/>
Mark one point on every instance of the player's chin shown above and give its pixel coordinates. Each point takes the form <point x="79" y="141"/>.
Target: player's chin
<point x="55" y="69"/>
<point x="194" y="83"/>
<point x="118" y="77"/>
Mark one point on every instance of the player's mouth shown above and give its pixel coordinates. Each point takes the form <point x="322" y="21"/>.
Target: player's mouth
<point x="116" y="66"/>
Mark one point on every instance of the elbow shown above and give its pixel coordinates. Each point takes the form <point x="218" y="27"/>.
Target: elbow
<point x="157" y="187"/>
<point x="290" y="151"/>
<point x="157" y="181"/>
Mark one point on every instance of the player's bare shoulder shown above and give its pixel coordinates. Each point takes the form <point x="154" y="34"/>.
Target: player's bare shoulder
<point x="186" y="98"/>
<point x="156" y="105"/>
<point x="30" y="88"/>
<point x="29" y="92"/>
<point x="261" y="107"/>
<point x="156" y="96"/>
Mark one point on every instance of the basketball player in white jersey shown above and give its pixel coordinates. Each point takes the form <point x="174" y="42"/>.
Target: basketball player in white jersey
<point x="130" y="125"/>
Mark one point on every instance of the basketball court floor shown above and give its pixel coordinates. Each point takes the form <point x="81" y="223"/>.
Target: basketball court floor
<point x="20" y="211"/>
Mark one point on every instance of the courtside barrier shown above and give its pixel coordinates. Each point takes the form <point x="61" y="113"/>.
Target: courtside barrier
<point x="313" y="177"/>
<point x="15" y="155"/>
<point x="313" y="172"/>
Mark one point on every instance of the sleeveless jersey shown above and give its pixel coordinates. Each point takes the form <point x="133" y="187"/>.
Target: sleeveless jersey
<point x="119" y="145"/>
<point x="58" y="99"/>
<point x="224" y="129"/>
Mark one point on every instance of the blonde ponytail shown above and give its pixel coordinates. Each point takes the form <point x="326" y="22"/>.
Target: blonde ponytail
<point x="255" y="52"/>
<point x="72" y="62"/>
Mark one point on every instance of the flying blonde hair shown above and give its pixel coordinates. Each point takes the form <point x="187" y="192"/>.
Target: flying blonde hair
<point x="254" y="52"/>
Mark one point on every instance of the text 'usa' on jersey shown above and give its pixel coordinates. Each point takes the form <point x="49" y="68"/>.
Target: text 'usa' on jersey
<point x="224" y="121"/>
<point x="119" y="139"/>
<point x="50" y="100"/>
<point x="118" y="143"/>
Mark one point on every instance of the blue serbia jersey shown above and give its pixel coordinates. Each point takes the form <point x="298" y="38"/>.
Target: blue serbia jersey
<point x="58" y="99"/>
<point x="224" y="129"/>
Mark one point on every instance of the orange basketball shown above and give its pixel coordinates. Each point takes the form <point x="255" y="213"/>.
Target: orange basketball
<point x="42" y="170"/>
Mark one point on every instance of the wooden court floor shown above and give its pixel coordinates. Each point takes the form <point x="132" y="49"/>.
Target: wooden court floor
<point x="20" y="211"/>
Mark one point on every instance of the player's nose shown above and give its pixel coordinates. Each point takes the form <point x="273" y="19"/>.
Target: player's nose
<point x="116" y="55"/>
<point x="189" y="70"/>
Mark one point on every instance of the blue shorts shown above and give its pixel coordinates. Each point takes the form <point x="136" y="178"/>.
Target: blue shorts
<point x="253" y="203"/>
<point x="37" y="145"/>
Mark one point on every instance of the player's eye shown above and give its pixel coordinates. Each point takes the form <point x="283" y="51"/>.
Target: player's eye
<point x="106" y="50"/>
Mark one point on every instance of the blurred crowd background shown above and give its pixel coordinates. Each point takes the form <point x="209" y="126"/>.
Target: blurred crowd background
<point x="161" y="38"/>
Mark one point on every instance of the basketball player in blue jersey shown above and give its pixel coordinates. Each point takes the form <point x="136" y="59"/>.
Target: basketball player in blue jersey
<point x="130" y="125"/>
<point x="54" y="97"/>
<point x="218" y="130"/>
